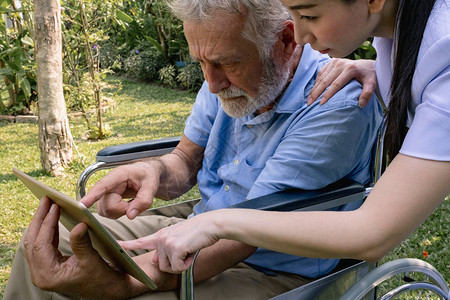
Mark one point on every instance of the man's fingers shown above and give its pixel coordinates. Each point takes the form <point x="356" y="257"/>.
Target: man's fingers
<point x="49" y="231"/>
<point x="142" y="201"/>
<point x="80" y="242"/>
<point x="35" y="226"/>
<point x="38" y="218"/>
<point x="41" y="244"/>
<point x="112" y="206"/>
<point x="112" y="182"/>
<point x="155" y="258"/>
<point x="94" y="194"/>
<point x="123" y="182"/>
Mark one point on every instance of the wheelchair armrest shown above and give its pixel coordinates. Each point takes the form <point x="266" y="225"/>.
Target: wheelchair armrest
<point x="341" y="192"/>
<point x="122" y="154"/>
<point x="137" y="150"/>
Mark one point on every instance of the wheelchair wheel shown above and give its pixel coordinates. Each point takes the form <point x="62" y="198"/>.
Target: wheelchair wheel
<point x="400" y="279"/>
<point x="416" y="290"/>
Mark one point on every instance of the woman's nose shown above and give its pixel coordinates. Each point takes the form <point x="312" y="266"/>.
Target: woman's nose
<point x="303" y="35"/>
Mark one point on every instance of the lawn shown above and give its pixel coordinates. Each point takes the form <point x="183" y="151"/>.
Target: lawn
<point x="141" y="112"/>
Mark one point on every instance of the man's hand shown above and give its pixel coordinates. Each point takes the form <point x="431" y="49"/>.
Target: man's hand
<point x="338" y="72"/>
<point x="85" y="274"/>
<point x="139" y="180"/>
<point x="166" y="177"/>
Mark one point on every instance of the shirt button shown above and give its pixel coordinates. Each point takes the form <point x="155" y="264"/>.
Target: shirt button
<point x="226" y="188"/>
<point x="249" y="126"/>
<point x="236" y="162"/>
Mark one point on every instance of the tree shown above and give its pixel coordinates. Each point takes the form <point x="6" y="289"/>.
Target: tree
<point x="55" y="138"/>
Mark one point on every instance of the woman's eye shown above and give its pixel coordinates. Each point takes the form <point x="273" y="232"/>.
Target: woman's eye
<point x="308" y="18"/>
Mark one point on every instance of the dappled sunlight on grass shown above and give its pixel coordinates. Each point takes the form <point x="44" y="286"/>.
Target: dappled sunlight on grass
<point x="142" y="112"/>
<point x="430" y="242"/>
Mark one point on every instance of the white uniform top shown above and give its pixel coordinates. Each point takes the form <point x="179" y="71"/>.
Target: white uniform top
<point x="429" y="109"/>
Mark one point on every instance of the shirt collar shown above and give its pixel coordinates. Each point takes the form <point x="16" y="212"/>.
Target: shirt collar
<point x="295" y="95"/>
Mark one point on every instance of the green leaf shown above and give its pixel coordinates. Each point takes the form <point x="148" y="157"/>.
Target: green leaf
<point x="26" y="87"/>
<point x="123" y="17"/>
<point x="28" y="41"/>
<point x="6" y="71"/>
<point x="154" y="43"/>
<point x="14" y="66"/>
<point x="4" y="7"/>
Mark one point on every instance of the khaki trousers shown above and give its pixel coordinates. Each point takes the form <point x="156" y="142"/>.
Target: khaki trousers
<point x="239" y="282"/>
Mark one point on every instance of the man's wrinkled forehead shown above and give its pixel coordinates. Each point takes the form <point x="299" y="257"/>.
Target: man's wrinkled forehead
<point x="210" y="39"/>
<point x="221" y="22"/>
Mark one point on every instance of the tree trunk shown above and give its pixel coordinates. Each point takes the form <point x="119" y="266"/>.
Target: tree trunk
<point x="55" y="139"/>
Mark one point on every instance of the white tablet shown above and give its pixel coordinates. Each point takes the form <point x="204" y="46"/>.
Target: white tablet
<point x="74" y="212"/>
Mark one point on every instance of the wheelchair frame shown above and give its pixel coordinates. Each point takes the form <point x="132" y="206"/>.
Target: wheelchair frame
<point x="338" y="284"/>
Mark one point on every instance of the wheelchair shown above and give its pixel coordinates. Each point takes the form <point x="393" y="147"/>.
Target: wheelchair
<point x="351" y="279"/>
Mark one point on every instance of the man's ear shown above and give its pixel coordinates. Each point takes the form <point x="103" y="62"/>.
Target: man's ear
<point x="375" y="6"/>
<point x="287" y="39"/>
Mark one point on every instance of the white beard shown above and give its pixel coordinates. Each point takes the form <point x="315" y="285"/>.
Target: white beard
<point x="273" y="81"/>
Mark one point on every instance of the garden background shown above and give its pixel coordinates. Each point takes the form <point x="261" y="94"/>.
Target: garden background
<point x="135" y="54"/>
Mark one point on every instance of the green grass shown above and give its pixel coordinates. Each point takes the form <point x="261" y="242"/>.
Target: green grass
<point x="141" y="112"/>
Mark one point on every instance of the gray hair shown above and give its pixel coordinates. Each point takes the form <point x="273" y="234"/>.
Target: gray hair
<point x="265" y="18"/>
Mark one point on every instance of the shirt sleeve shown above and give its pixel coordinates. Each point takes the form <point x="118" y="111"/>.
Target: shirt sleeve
<point x="429" y="133"/>
<point x="334" y="141"/>
<point x="200" y="121"/>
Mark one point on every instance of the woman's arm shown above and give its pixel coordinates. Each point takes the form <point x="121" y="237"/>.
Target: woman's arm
<point x="408" y="192"/>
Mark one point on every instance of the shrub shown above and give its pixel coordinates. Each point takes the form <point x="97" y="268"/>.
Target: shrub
<point x="132" y="64"/>
<point x="110" y="56"/>
<point x="167" y="76"/>
<point x="151" y="62"/>
<point x="191" y="76"/>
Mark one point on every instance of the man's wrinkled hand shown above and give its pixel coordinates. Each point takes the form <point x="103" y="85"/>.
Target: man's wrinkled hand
<point x="85" y="274"/>
<point x="138" y="181"/>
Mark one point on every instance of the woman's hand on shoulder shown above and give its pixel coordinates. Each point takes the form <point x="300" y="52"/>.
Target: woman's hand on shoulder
<point x="338" y="72"/>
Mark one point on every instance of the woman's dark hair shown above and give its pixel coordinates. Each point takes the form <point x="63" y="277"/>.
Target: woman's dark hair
<point x="412" y="19"/>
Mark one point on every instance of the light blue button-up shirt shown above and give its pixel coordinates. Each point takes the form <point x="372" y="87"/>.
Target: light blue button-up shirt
<point x="291" y="146"/>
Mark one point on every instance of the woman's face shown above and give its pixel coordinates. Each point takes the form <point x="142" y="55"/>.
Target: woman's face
<point x="331" y="26"/>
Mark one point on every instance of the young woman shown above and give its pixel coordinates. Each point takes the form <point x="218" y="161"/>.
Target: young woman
<point x="413" y="72"/>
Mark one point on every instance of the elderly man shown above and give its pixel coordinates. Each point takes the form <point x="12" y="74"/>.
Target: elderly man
<point x="250" y="134"/>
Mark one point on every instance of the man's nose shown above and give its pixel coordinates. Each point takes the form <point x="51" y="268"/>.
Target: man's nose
<point x="216" y="78"/>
